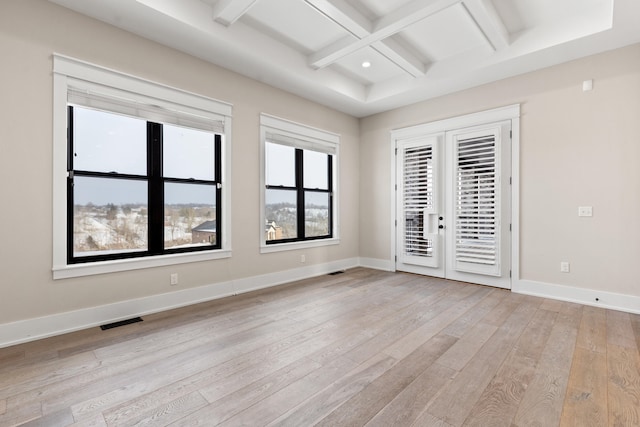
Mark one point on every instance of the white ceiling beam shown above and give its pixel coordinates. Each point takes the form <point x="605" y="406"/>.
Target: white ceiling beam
<point x="387" y="26"/>
<point x="344" y="15"/>
<point x="331" y="53"/>
<point x="186" y="11"/>
<point x="489" y="22"/>
<point x="226" y="12"/>
<point x="241" y="49"/>
<point x="409" y="14"/>
<point x="400" y="56"/>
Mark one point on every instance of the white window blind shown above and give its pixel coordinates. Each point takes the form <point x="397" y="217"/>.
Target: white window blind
<point x="296" y="135"/>
<point x="418" y="182"/>
<point x="297" y="141"/>
<point x="477" y="201"/>
<point x="135" y="105"/>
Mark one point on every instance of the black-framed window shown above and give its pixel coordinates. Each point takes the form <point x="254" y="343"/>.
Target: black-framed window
<point x="139" y="188"/>
<point x="298" y="194"/>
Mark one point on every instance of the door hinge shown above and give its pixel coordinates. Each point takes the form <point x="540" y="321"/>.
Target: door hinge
<point x="396" y="258"/>
<point x="509" y="273"/>
<point x="396" y="151"/>
<point x="510" y="134"/>
<point x="510" y="180"/>
<point x="396" y="222"/>
<point x="509" y="227"/>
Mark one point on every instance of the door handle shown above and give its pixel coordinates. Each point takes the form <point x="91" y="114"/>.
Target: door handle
<point x="430" y="224"/>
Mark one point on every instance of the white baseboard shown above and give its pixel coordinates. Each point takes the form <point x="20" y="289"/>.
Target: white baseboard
<point x="609" y="300"/>
<point x="376" y="264"/>
<point x="61" y="323"/>
<point x="281" y="277"/>
<point x="57" y="324"/>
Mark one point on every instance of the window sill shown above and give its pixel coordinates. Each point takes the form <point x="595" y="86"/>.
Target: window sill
<point x="279" y="247"/>
<point x="104" y="267"/>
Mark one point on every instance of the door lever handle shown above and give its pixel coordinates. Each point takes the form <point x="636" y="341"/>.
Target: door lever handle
<point x="429" y="224"/>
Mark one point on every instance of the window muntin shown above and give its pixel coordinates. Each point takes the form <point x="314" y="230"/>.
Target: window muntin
<point x="310" y="156"/>
<point x="78" y="82"/>
<point x="108" y="215"/>
<point x="301" y="211"/>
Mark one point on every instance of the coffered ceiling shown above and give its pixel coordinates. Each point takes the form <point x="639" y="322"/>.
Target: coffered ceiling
<point x="414" y="49"/>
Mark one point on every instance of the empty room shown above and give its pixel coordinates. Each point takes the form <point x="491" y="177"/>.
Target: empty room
<point x="320" y="212"/>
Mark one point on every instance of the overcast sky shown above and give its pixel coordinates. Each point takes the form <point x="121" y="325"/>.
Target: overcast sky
<point x="105" y="142"/>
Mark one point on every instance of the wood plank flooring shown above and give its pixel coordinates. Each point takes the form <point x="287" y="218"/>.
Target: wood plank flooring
<point x="363" y="348"/>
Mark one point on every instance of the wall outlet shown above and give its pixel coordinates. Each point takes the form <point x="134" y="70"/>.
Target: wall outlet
<point x="174" y="279"/>
<point x="303" y="259"/>
<point x="585" y="211"/>
<point x="564" y="267"/>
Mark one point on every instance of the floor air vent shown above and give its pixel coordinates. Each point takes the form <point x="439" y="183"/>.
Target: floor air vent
<point x="120" y="323"/>
<point x="336" y="272"/>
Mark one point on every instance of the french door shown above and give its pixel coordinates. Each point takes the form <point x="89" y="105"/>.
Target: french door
<point x="453" y="204"/>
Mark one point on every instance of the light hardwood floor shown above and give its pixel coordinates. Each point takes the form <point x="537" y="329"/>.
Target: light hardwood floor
<point x="360" y="348"/>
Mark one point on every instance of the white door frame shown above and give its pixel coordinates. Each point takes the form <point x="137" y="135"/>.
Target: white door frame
<point x="512" y="113"/>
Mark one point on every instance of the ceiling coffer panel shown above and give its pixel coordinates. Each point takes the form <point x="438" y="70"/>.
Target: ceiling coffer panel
<point x="295" y="23"/>
<point x="416" y="49"/>
<point x="448" y="33"/>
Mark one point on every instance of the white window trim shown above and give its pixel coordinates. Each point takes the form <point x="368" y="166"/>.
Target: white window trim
<point x="69" y="72"/>
<point x="310" y="135"/>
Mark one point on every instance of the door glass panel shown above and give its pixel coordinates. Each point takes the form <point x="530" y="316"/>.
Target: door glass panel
<point x="418" y="197"/>
<point x="476" y="201"/>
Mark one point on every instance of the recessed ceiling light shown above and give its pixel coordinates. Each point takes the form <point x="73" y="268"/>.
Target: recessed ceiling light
<point x="366" y="64"/>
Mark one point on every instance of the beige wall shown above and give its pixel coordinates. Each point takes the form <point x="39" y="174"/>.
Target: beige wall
<point x="577" y="149"/>
<point x="30" y="31"/>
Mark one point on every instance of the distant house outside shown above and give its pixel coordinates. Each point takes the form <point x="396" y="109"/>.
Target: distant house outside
<point x="204" y="233"/>
<point x="273" y="231"/>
